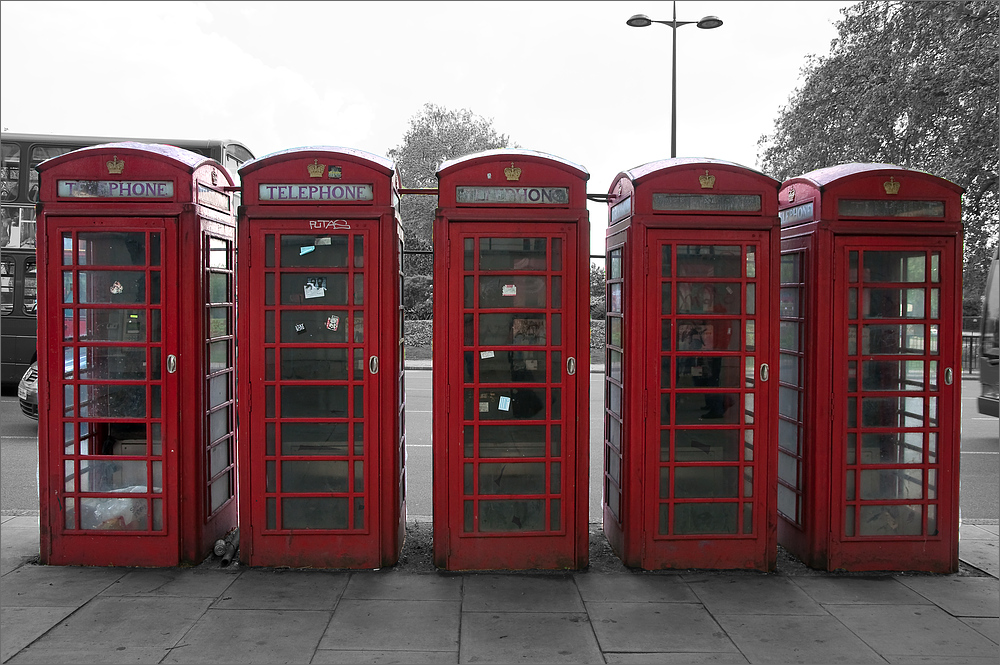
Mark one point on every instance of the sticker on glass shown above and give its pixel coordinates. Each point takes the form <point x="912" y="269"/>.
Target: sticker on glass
<point x="300" y="328"/>
<point x="504" y="404"/>
<point x="315" y="287"/>
<point x="333" y="323"/>
<point x="486" y="354"/>
<point x="484" y="407"/>
<point x="306" y="249"/>
<point x="509" y="290"/>
<point x="323" y="241"/>
<point x="117" y="288"/>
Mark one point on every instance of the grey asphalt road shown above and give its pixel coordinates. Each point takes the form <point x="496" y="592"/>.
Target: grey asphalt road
<point x="979" y="499"/>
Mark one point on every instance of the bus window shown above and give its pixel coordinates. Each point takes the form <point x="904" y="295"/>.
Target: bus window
<point x="30" y="288"/>
<point x="10" y="171"/>
<point x="39" y="154"/>
<point x="6" y="286"/>
<point x="989" y="342"/>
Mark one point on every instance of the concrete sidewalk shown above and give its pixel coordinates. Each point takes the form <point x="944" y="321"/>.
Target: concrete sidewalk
<point x="210" y="614"/>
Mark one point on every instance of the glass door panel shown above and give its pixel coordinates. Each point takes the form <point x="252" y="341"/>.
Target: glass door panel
<point x="705" y="330"/>
<point x="318" y="304"/>
<point x="112" y="361"/>
<point x="891" y="390"/>
<point x="514" y="364"/>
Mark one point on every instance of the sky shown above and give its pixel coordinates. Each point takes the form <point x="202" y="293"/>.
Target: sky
<point x="566" y="78"/>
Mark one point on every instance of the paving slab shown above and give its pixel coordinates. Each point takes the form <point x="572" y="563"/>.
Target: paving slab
<point x="988" y="628"/>
<point x="940" y="660"/>
<point x="528" y="637"/>
<point x="521" y="593"/>
<point x="36" y="655"/>
<point x="20" y="626"/>
<point x="656" y="628"/>
<point x="388" y="585"/>
<point x="680" y="658"/>
<point x="394" y="625"/>
<point x="55" y="586"/>
<point x="790" y="639"/>
<point x="913" y="631"/>
<point x="182" y="582"/>
<point x="267" y="589"/>
<point x="634" y="588"/>
<point x="252" y="636"/>
<point x="882" y="590"/>
<point x="112" y="623"/>
<point x="723" y="593"/>
<point x="959" y="596"/>
<point x="19" y="543"/>
<point x="982" y="553"/>
<point x="332" y="657"/>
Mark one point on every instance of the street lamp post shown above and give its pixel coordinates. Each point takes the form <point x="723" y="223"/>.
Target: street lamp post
<point x="706" y="23"/>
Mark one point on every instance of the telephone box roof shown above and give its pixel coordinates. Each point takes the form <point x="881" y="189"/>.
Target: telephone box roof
<point x="190" y="159"/>
<point x="507" y="153"/>
<point x="384" y="162"/>
<point x="639" y="172"/>
<point x="824" y="176"/>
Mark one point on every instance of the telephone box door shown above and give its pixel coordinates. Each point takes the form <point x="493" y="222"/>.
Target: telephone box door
<point x="113" y="392"/>
<point x="708" y="399"/>
<point x="512" y="476"/>
<point x="895" y="388"/>
<point x="314" y="393"/>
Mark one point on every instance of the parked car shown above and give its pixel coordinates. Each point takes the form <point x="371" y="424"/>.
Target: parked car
<point x="27" y="391"/>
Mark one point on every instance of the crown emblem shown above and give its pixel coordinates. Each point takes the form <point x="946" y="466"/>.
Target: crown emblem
<point x="707" y="181"/>
<point x="891" y="186"/>
<point x="316" y="169"/>
<point x="791" y="194"/>
<point x="512" y="172"/>
<point x="116" y="165"/>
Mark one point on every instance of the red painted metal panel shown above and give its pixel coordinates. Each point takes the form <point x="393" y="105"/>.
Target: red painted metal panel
<point x="697" y="246"/>
<point x="122" y="442"/>
<point x="321" y="414"/>
<point x="880" y="324"/>
<point x="511" y="367"/>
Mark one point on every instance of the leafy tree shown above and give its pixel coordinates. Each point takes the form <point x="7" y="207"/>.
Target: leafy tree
<point x="598" y="306"/>
<point x="436" y="134"/>
<point x="908" y="83"/>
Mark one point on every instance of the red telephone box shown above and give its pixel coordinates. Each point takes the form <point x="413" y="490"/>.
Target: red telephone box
<point x="868" y="436"/>
<point x="322" y="453"/>
<point x="136" y="247"/>
<point x="688" y="454"/>
<point x="511" y="308"/>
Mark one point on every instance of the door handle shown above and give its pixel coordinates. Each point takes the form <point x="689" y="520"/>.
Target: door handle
<point x="373" y="364"/>
<point x="571" y="366"/>
<point x="171" y="364"/>
<point x="948" y="376"/>
<point x="764" y="372"/>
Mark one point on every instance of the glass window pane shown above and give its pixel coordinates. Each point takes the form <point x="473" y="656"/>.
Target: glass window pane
<point x="708" y="298"/>
<point x="508" y="291"/>
<point x="709" y="261"/>
<point x="512" y="254"/>
<point x="314" y="251"/>
<point x="111" y="248"/>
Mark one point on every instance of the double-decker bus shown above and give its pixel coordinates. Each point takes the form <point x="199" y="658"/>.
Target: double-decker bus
<point x="21" y="153"/>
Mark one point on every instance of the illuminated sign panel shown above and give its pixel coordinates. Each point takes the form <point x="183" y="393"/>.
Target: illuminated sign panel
<point x="519" y="195"/>
<point x="116" y="189"/>
<point x="320" y="193"/>
<point x="706" y="202"/>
